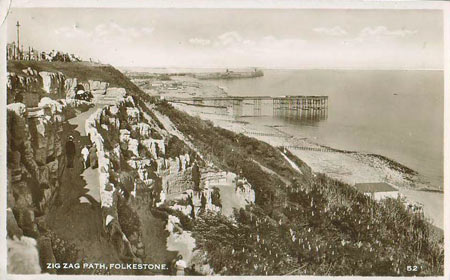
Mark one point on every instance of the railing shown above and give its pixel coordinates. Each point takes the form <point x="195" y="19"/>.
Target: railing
<point x="287" y="97"/>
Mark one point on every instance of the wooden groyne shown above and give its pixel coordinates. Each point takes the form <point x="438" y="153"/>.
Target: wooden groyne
<point x="312" y="149"/>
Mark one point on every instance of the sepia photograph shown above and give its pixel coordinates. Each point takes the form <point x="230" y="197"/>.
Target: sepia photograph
<point x="252" y="140"/>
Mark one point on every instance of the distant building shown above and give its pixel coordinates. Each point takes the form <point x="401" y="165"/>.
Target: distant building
<point x="10" y="51"/>
<point x="378" y="191"/>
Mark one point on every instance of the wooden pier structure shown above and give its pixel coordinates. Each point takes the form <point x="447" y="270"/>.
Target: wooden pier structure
<point x="300" y="102"/>
<point x="282" y="105"/>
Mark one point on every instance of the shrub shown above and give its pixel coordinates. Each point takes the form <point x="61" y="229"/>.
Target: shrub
<point x="128" y="220"/>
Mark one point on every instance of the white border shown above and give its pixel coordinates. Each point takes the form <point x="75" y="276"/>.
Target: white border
<point x="230" y="4"/>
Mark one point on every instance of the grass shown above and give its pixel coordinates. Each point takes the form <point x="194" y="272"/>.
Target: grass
<point x="83" y="71"/>
<point x="338" y="231"/>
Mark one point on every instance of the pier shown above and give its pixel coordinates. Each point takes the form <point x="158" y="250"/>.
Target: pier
<point x="291" y="105"/>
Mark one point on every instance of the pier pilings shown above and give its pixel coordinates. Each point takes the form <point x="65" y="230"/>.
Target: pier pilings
<point x="309" y="107"/>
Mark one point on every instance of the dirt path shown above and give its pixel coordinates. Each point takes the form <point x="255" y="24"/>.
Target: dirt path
<point x="271" y="172"/>
<point x="77" y="217"/>
<point x="154" y="237"/>
<point x="80" y="120"/>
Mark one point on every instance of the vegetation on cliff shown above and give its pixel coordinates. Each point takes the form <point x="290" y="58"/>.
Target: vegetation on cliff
<point x="40" y="187"/>
<point x="311" y="225"/>
<point x="83" y="71"/>
<point x="301" y="223"/>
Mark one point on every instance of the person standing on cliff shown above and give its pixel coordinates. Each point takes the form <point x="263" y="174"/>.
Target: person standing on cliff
<point x="70" y="151"/>
<point x="196" y="176"/>
<point x="85" y="155"/>
<point x="191" y="203"/>
<point x="93" y="159"/>
<point x="180" y="265"/>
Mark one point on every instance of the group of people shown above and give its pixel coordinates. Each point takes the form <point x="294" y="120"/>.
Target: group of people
<point x="203" y="201"/>
<point x="88" y="154"/>
<point x="180" y="267"/>
<point x="13" y="52"/>
<point x="83" y="95"/>
<point x="59" y="56"/>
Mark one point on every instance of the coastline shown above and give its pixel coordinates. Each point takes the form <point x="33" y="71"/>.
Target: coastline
<point x="350" y="167"/>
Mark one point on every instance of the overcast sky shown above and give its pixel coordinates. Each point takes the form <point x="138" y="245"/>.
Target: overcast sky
<point x="359" y="39"/>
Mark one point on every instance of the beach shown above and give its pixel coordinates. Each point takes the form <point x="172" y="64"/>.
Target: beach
<point x="354" y="143"/>
<point x="348" y="167"/>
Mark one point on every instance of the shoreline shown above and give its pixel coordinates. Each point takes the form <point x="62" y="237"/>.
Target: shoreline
<point x="294" y="143"/>
<point x="393" y="164"/>
<point x="350" y="167"/>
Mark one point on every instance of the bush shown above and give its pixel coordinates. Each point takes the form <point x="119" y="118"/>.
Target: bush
<point x="128" y="220"/>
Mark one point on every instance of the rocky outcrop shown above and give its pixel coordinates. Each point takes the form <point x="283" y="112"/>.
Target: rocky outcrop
<point x="53" y="83"/>
<point x="109" y="192"/>
<point x="122" y="132"/>
<point x="23" y="256"/>
<point x="35" y="159"/>
<point x="17" y="85"/>
<point x="70" y="85"/>
<point x="127" y="138"/>
<point x="29" y="86"/>
<point x="97" y="87"/>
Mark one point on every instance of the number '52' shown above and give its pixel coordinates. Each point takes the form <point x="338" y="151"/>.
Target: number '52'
<point x="412" y="268"/>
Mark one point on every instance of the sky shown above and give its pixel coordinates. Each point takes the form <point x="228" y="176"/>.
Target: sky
<point x="268" y="38"/>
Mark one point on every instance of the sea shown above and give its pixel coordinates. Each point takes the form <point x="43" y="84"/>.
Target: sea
<point x="395" y="113"/>
<point x="398" y="114"/>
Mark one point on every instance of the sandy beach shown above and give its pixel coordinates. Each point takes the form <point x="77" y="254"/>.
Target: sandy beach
<point x="348" y="167"/>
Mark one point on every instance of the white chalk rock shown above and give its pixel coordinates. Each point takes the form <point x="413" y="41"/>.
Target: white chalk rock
<point x="133" y="145"/>
<point x="133" y="115"/>
<point x="53" y="83"/>
<point x="114" y="110"/>
<point x="23" y="256"/>
<point x="109" y="218"/>
<point x="18" y="108"/>
<point x="98" y="87"/>
<point x="116" y="92"/>
<point x="54" y="105"/>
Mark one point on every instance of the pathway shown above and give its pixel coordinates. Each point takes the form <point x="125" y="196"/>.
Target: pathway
<point x="77" y="217"/>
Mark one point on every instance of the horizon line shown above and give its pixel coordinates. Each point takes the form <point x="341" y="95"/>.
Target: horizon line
<point x="284" y="68"/>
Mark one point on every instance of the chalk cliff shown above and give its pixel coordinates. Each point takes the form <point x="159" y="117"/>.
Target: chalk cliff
<point x="29" y="86"/>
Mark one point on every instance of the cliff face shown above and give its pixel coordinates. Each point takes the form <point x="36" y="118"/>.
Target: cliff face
<point x="36" y="161"/>
<point x="146" y="167"/>
<point x="130" y="143"/>
<point x="29" y="86"/>
<point x="35" y="158"/>
<point x="136" y="141"/>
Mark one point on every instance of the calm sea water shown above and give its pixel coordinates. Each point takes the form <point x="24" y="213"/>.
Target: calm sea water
<point x="397" y="114"/>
